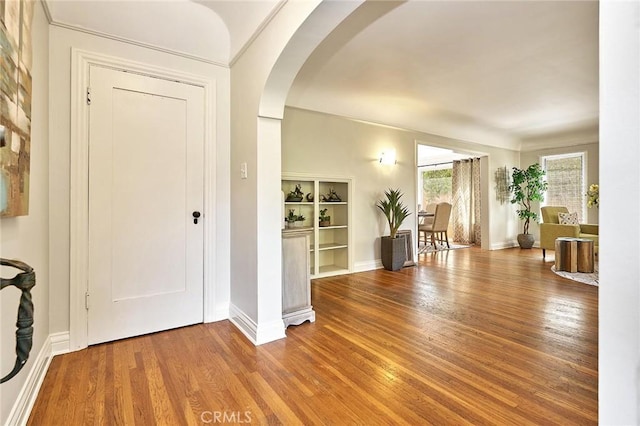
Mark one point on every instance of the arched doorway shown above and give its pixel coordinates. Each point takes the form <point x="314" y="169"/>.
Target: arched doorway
<point x="256" y="113"/>
<point x="261" y="80"/>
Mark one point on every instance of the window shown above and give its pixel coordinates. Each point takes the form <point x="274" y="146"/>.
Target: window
<point x="436" y="186"/>
<point x="565" y="176"/>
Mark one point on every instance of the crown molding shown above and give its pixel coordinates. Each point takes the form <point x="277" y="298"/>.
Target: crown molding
<point x="576" y="137"/>
<point x="258" y="31"/>
<point x="47" y="12"/>
<point x="126" y="40"/>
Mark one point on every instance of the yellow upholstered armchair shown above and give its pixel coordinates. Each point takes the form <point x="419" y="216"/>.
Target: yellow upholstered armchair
<point x="550" y="229"/>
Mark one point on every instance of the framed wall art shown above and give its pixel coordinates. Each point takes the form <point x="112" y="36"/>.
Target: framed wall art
<point x="408" y="238"/>
<point x="15" y="106"/>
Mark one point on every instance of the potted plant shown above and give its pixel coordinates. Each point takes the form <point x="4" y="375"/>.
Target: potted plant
<point x="296" y="194"/>
<point x="393" y="249"/>
<point x="527" y="185"/>
<point x="293" y="220"/>
<point x="324" y="219"/>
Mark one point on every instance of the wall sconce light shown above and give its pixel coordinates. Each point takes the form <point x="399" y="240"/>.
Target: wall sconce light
<point x="388" y="157"/>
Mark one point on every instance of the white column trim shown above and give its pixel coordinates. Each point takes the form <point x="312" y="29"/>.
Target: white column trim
<point x="257" y="334"/>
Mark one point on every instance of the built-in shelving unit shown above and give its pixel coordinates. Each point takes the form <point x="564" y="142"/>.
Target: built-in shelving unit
<point x="330" y="246"/>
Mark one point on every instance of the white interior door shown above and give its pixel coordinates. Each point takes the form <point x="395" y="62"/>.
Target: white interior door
<point x="146" y="165"/>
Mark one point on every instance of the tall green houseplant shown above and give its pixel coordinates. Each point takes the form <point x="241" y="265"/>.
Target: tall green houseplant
<point x="394" y="210"/>
<point x="527" y="185"/>
<point x="393" y="249"/>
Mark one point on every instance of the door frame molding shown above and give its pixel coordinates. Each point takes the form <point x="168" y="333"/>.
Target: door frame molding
<point x="81" y="61"/>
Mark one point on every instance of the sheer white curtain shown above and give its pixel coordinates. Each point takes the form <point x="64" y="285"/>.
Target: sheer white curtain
<point x="465" y="214"/>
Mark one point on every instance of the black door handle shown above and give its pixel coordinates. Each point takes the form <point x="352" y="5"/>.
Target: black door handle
<point x="196" y="215"/>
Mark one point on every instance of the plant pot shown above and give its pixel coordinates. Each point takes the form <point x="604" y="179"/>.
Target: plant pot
<point x="324" y="223"/>
<point x="393" y="253"/>
<point x="526" y="240"/>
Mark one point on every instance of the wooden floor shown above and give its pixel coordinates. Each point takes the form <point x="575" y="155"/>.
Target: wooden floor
<point x="467" y="337"/>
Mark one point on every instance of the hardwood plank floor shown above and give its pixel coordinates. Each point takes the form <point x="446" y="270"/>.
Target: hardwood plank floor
<point x="466" y="337"/>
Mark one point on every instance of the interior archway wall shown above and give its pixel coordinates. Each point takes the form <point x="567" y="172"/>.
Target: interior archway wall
<point x="260" y="82"/>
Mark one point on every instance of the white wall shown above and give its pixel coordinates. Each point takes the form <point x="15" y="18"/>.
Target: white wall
<point x="619" y="298"/>
<point x="329" y="145"/>
<point x="61" y="42"/>
<point x="500" y="224"/>
<point x="258" y="89"/>
<point x="27" y="237"/>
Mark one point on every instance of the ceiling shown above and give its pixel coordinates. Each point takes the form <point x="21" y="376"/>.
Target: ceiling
<point x="434" y="157"/>
<point x="214" y="31"/>
<point x="507" y="73"/>
<point x="500" y="73"/>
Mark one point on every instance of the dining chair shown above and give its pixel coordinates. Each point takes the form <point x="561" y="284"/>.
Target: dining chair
<point x="425" y="217"/>
<point x="437" y="230"/>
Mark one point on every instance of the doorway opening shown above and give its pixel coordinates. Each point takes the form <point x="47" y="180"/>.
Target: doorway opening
<point x="448" y="199"/>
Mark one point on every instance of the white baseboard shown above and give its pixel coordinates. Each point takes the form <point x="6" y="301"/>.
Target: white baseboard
<point x="59" y="343"/>
<point x="55" y="344"/>
<point x="368" y="265"/>
<point x="258" y="334"/>
<point x="268" y="332"/>
<point x="218" y="313"/>
<point x="222" y="312"/>
<point x="245" y="324"/>
<point x="504" y="245"/>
